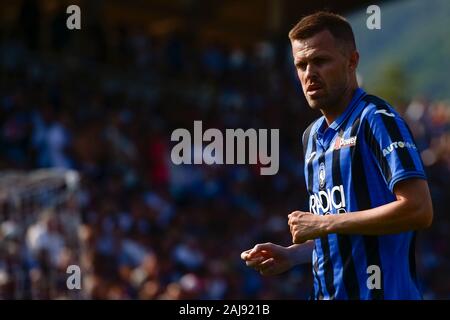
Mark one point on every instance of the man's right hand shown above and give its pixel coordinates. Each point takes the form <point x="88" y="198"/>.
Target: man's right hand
<point x="268" y="258"/>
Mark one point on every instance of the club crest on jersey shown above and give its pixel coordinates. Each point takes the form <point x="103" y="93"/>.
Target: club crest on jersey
<point x="322" y="175"/>
<point x="343" y="143"/>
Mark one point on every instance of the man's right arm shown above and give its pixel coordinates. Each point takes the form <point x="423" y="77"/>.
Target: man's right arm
<point x="302" y="253"/>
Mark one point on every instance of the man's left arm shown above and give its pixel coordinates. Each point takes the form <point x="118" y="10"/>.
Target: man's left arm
<point x="412" y="210"/>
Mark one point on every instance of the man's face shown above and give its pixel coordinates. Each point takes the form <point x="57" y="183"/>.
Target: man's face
<point x="323" y="68"/>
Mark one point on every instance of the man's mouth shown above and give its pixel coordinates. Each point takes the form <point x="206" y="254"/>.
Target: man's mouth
<point x="313" y="89"/>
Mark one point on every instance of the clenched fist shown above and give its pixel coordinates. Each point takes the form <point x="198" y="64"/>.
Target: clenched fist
<point x="305" y="226"/>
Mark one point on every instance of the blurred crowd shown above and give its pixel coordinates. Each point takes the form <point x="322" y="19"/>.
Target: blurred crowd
<point x="105" y="104"/>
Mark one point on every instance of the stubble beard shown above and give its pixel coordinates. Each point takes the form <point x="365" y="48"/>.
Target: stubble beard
<point x="328" y="101"/>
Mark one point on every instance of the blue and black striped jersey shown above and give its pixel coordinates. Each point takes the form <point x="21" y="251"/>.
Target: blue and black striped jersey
<point x="353" y="165"/>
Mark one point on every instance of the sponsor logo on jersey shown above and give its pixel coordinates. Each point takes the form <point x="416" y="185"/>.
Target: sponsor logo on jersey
<point x="398" y="145"/>
<point x="326" y="201"/>
<point x="343" y="143"/>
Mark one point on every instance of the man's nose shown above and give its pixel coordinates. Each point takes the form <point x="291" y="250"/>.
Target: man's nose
<point x="310" y="72"/>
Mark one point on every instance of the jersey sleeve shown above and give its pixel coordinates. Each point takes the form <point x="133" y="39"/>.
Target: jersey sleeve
<point x="306" y="137"/>
<point x="392" y="145"/>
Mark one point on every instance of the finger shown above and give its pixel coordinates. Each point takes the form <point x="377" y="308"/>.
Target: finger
<point x="260" y="249"/>
<point x="293" y="230"/>
<point x="244" y="254"/>
<point x="292" y="220"/>
<point x="292" y="224"/>
<point x="266" y="268"/>
<point x="255" y="263"/>
<point x="294" y="214"/>
<point x="254" y="255"/>
<point x="267" y="263"/>
<point x="294" y="236"/>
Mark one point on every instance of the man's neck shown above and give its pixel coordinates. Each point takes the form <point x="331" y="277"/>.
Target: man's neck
<point x="331" y="114"/>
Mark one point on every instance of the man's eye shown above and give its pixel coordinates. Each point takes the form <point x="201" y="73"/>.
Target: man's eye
<point x="319" y="61"/>
<point x="301" y="65"/>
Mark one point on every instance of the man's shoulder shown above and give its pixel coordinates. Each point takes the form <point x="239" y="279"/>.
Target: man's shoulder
<point x="377" y="107"/>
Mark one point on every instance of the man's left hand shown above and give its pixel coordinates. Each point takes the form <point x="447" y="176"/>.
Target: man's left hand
<point x="305" y="226"/>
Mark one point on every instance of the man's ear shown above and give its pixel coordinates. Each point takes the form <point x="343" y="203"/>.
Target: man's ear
<point x="354" y="60"/>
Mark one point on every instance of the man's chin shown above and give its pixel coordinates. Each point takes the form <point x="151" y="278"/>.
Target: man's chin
<point x="315" y="104"/>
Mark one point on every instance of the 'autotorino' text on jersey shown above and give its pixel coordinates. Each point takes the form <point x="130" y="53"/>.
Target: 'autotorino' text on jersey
<point x="238" y="143"/>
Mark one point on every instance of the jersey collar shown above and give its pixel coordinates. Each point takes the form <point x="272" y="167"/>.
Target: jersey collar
<point x="357" y="96"/>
